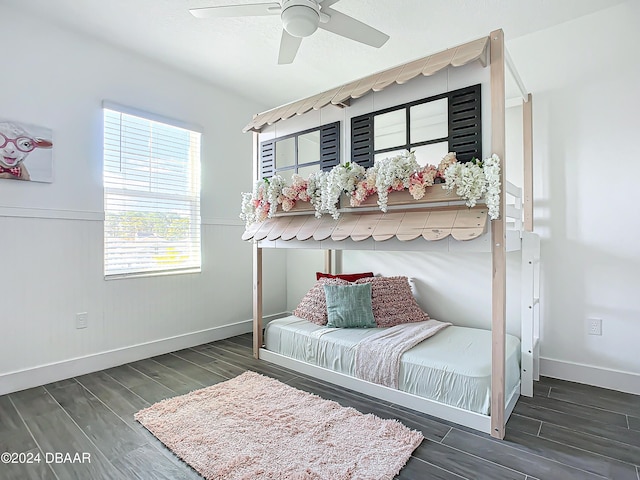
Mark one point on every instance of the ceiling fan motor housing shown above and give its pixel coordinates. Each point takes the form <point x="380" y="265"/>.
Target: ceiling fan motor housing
<point x="300" y="18"/>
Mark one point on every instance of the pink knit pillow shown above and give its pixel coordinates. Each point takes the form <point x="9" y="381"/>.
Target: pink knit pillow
<point x="393" y="302"/>
<point x="313" y="306"/>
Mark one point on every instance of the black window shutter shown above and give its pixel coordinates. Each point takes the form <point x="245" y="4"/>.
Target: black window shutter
<point x="329" y="146"/>
<point x="267" y="159"/>
<point x="465" y="123"/>
<point x="362" y="140"/>
<point x="464" y="127"/>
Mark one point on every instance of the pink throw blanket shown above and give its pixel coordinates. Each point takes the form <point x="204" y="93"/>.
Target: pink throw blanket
<point x="377" y="357"/>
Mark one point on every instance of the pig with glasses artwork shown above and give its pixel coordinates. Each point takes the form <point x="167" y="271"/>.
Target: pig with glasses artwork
<point x="16" y="143"/>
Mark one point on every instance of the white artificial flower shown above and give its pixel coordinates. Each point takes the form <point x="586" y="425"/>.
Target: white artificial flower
<point x="274" y="190"/>
<point x="473" y="180"/>
<point x="316" y="184"/>
<point x="341" y="179"/>
<point x="393" y="174"/>
<point x="248" y="211"/>
<point x="492" y="176"/>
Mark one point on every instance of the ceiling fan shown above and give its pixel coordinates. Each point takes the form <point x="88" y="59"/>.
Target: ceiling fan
<point x="300" y="18"/>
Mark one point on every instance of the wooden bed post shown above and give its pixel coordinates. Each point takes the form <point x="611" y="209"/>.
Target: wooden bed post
<point x="257" y="299"/>
<point x="498" y="237"/>
<point x="257" y="266"/>
<point x="327" y="261"/>
<point x="527" y="125"/>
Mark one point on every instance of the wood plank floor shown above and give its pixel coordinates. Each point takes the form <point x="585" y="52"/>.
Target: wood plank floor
<point x="567" y="431"/>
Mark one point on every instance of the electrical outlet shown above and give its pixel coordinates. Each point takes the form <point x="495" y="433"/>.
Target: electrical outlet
<point x="82" y="319"/>
<point x="594" y="326"/>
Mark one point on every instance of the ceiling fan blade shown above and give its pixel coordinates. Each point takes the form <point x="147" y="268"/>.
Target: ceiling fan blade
<point x="248" y="10"/>
<point x="327" y="3"/>
<point x="288" y="48"/>
<point x="349" y="27"/>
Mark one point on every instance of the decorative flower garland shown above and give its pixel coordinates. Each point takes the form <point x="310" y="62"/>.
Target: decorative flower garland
<point x="393" y="174"/>
<point x="472" y="180"/>
<point x="291" y="194"/>
<point x="341" y="179"/>
<point x="262" y="203"/>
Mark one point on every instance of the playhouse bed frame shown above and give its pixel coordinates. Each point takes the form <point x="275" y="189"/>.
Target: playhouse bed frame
<point x="498" y="241"/>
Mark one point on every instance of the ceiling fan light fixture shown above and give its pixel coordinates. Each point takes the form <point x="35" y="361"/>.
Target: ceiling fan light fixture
<point x="300" y="18"/>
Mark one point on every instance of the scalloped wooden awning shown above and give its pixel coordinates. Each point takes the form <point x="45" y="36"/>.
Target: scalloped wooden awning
<point x="455" y="57"/>
<point x="460" y="222"/>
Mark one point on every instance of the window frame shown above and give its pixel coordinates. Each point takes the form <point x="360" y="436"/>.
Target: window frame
<point x="296" y="164"/>
<point x="408" y="145"/>
<point x="329" y="151"/>
<point x="363" y="149"/>
<point x="195" y="217"/>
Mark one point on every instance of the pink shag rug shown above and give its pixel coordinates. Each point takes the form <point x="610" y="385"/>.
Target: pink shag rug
<point x="254" y="427"/>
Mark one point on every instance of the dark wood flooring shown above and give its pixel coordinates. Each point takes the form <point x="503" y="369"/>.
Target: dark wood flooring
<point x="567" y="431"/>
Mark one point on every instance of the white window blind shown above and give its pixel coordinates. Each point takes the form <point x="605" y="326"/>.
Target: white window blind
<point x="151" y="196"/>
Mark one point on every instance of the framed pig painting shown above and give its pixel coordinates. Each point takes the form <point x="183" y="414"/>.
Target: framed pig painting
<point x="25" y="152"/>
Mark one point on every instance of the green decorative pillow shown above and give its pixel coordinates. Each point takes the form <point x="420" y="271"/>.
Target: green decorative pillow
<point x="349" y="306"/>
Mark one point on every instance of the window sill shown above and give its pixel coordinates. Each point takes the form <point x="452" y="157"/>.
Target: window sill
<point x="163" y="273"/>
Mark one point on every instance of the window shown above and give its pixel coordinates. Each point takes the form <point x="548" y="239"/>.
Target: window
<point x="151" y="194"/>
<point x="431" y="127"/>
<point x="302" y="152"/>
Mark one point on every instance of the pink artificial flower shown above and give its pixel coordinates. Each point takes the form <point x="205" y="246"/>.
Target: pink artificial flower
<point x="416" y="179"/>
<point x="417" y="191"/>
<point x="447" y="160"/>
<point x="288" y="192"/>
<point x="429" y="174"/>
<point x="287" y="204"/>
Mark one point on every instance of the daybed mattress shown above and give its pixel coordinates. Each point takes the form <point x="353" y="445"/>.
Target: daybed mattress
<point x="452" y="367"/>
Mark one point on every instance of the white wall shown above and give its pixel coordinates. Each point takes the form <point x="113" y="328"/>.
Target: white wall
<point x="52" y="233"/>
<point x="450" y="287"/>
<point x="302" y="266"/>
<point x="584" y="76"/>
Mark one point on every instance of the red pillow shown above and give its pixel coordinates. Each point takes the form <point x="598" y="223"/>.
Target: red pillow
<point x="393" y="302"/>
<point x="349" y="277"/>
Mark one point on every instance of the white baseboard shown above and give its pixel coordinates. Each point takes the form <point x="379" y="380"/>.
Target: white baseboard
<point x="588" y="374"/>
<point x="53" y="372"/>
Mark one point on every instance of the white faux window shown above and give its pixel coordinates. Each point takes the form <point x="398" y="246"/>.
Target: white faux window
<point x="151" y="194"/>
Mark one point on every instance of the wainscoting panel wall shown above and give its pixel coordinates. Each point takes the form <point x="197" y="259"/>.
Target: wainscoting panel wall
<point x="54" y="270"/>
<point x="52" y="241"/>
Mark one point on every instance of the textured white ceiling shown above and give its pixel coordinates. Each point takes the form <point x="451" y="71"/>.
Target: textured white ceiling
<point x="240" y="54"/>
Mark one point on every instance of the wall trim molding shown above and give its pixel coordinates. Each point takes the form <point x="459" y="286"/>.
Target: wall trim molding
<point x="53" y="372"/>
<point x="230" y="222"/>
<point x="53" y="214"/>
<point x="24" y="212"/>
<point x="591" y="375"/>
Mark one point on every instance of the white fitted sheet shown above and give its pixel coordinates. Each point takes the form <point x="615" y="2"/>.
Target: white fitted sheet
<point x="452" y="367"/>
